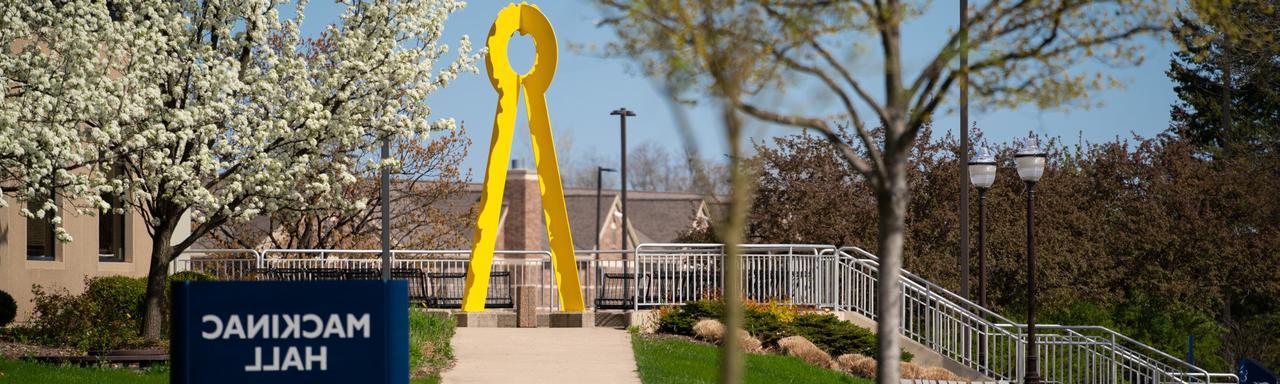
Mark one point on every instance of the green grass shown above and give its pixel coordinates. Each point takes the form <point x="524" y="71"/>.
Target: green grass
<point x="429" y="349"/>
<point x="664" y="360"/>
<point x="430" y="332"/>
<point x="16" y="371"/>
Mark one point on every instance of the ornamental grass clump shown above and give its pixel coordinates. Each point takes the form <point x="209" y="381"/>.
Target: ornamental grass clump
<point x="711" y="330"/>
<point x="802" y="348"/>
<point x="857" y="365"/>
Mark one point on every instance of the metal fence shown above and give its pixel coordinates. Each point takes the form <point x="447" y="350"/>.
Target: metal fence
<point x="818" y="276"/>
<point x="525" y="268"/>
<point x="670" y="274"/>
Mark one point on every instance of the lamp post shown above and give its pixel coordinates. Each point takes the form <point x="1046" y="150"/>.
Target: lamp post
<point x="599" y="185"/>
<point x="982" y="173"/>
<point x="1030" y="161"/>
<point x="622" y="114"/>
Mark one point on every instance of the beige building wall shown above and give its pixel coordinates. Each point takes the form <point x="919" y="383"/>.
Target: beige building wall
<point x="74" y="261"/>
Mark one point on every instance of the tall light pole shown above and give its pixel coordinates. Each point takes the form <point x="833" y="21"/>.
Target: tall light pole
<point x="982" y="173"/>
<point x="622" y="114"/>
<point x="599" y="186"/>
<point x="964" y="148"/>
<point x="1030" y="161"/>
<point x="386" y="209"/>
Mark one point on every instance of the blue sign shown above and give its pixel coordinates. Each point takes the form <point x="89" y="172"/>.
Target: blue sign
<point x="1250" y="372"/>
<point x="290" y="332"/>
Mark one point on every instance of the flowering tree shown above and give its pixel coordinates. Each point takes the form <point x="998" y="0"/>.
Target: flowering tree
<point x="221" y="109"/>
<point x="429" y="205"/>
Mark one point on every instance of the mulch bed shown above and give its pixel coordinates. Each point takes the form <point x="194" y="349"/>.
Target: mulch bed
<point x="119" y="358"/>
<point x="13" y="351"/>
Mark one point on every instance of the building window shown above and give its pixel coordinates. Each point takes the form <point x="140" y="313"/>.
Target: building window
<point x="111" y="232"/>
<point x="41" y="239"/>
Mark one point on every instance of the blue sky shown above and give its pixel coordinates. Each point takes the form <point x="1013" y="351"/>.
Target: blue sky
<point x="587" y="87"/>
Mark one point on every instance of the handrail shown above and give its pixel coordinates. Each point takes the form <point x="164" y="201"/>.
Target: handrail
<point x="1144" y="351"/>
<point x="1113" y="333"/>
<point x="952" y="296"/>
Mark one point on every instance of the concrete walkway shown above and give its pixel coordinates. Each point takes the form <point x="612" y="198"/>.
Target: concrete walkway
<point x="542" y="355"/>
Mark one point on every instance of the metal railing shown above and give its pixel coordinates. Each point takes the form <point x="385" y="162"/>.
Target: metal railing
<point x="671" y="274"/>
<point x="526" y="268"/>
<point x="996" y="346"/>
<point x="819" y="276"/>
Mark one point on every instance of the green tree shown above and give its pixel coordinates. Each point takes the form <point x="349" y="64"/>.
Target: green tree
<point x="1227" y="75"/>
<point x="1140" y="235"/>
<point x="744" y="53"/>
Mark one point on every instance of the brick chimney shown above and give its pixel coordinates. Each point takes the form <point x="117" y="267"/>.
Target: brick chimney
<point x="524" y="228"/>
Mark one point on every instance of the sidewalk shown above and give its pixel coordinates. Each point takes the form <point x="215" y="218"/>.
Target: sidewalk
<point x="542" y="355"/>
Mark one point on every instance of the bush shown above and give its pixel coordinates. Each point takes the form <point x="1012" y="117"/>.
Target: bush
<point x="833" y="335"/>
<point x="8" y="309"/>
<point x="680" y="320"/>
<point x="770" y="322"/>
<point x="107" y="316"/>
<point x="59" y="318"/>
<point x="119" y="300"/>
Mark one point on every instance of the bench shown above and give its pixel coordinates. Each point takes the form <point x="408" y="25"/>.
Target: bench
<point x="447" y="290"/>
<point x="613" y="292"/>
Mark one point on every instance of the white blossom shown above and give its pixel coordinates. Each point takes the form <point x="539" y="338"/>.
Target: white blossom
<point x="220" y="108"/>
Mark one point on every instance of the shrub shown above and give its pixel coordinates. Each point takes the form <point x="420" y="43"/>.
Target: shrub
<point x="191" y="276"/>
<point x="119" y="300"/>
<point x="763" y="324"/>
<point x="107" y="316"/>
<point x="117" y="304"/>
<point x="59" y="318"/>
<point x="8" y="309"/>
<point x="680" y="320"/>
<point x="770" y="322"/>
<point x="833" y="335"/>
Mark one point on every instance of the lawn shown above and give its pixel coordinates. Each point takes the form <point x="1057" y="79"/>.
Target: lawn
<point x="430" y="332"/>
<point x="669" y="360"/>
<point x="15" y="371"/>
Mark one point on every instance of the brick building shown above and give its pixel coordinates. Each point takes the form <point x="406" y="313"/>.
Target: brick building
<point x="655" y="217"/>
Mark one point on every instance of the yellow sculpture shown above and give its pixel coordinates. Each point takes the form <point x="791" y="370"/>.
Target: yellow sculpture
<point x="527" y="20"/>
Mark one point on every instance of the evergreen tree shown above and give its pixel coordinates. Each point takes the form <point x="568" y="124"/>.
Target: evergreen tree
<point x="1229" y="62"/>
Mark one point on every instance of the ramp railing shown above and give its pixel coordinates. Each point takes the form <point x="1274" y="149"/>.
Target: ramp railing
<point x="996" y="346"/>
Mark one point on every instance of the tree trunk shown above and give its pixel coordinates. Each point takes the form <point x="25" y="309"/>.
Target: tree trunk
<point x="157" y="278"/>
<point x="732" y="364"/>
<point x="891" y="196"/>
